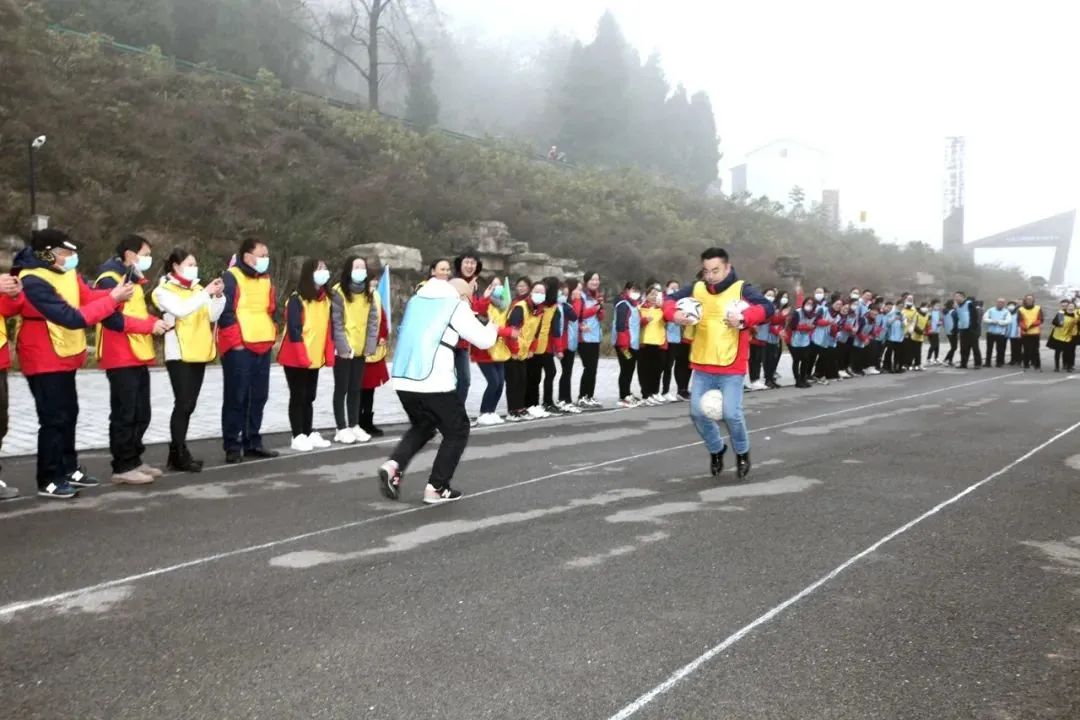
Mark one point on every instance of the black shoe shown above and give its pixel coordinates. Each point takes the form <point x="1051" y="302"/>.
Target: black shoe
<point x="181" y="461"/>
<point x="742" y="465"/>
<point x="261" y="452"/>
<point x="684" y="396"/>
<point x="372" y="430"/>
<point x="433" y="496"/>
<point x="772" y="385"/>
<point x="390" y="479"/>
<point x="234" y="457"/>
<point x="81" y="479"/>
<point x="716" y="466"/>
<point x="554" y="410"/>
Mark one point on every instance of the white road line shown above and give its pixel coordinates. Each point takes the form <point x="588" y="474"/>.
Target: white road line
<point x="12" y="608"/>
<point x="695" y="664"/>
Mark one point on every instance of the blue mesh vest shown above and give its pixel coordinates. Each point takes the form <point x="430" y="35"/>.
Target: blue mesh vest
<point x="420" y="336"/>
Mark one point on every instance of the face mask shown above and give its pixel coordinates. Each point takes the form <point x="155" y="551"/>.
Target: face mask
<point x="783" y="301"/>
<point x="538" y="298"/>
<point x="71" y="262"/>
<point x="321" y="277"/>
<point x="358" y="276"/>
<point x="854" y="296"/>
<point x="190" y="273"/>
<point x="770" y="298"/>
<point x="262" y="265"/>
<point x="672" y="292"/>
<point x="635" y="296"/>
<point x="562" y="298"/>
<point x="144" y="262"/>
<point x="1012" y="308"/>
<point x="909" y="303"/>
<point x="819" y="296"/>
<point x="923" y="310"/>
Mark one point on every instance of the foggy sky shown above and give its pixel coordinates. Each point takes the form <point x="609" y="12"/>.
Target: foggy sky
<point x="875" y="85"/>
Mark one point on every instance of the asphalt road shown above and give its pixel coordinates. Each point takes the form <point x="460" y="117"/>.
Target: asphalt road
<point x="593" y="571"/>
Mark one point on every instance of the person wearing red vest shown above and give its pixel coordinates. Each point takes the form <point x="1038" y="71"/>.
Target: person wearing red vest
<point x="11" y="303"/>
<point x="125" y="351"/>
<point x="58" y="307"/>
<point x="308" y="346"/>
<point x="246" y="335"/>
<point x="719" y="355"/>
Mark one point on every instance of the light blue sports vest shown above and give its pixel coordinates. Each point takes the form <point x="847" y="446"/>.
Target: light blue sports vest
<point x="633" y="322"/>
<point x="573" y="330"/>
<point x="999" y="315"/>
<point x="822" y="337"/>
<point x="590" y="328"/>
<point x="421" y="335"/>
<point x="800" y="339"/>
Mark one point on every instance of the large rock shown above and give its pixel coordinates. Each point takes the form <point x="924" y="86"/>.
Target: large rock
<point x="398" y="257"/>
<point x="503" y="255"/>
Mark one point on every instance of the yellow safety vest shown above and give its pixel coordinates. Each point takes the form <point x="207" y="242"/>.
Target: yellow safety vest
<point x="544" y="336"/>
<point x="715" y="343"/>
<point x="253" y="308"/>
<point x="316" y="330"/>
<point x="65" y="341"/>
<point x="1066" y="333"/>
<point x="918" y="333"/>
<point x="529" y="330"/>
<point x="142" y="346"/>
<point x="654" y="332"/>
<point x="356" y="313"/>
<point x="1030" y="316"/>
<point x="499" y="352"/>
<point x="380" y="350"/>
<point x="194" y="333"/>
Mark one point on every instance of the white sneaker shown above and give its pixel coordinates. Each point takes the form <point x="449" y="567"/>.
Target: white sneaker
<point x="571" y="408"/>
<point x="345" y="437"/>
<point x="917" y="368"/>
<point x="758" y="385"/>
<point x="538" y="412"/>
<point x="318" y="441"/>
<point x="302" y="443"/>
<point x="651" y="401"/>
<point x="489" y="419"/>
<point x="673" y="397"/>
<point x="873" y="371"/>
<point x="845" y="375"/>
<point x="360" y="434"/>
<point x="746" y="384"/>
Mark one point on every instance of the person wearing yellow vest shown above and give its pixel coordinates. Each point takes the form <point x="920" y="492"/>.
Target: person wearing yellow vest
<point x="11" y="305"/>
<point x="524" y="318"/>
<point x="492" y="362"/>
<point x="58" y="308"/>
<point x="920" y="321"/>
<point x="541" y="362"/>
<point x="730" y="309"/>
<point x="355" y="317"/>
<point x="1063" y="338"/>
<point x="125" y="351"/>
<point x="245" y="339"/>
<point x="190" y="310"/>
<point x="653" y="346"/>
<point x="1031" y="319"/>
<point x="308" y="346"/>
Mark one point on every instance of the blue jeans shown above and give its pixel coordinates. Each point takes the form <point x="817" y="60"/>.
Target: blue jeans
<point x="732" y="388"/>
<point x="247" y="385"/>
<point x="463" y="372"/>
<point x="495" y="374"/>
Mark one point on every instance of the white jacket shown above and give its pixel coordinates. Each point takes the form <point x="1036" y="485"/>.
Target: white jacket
<point x="173" y="307"/>
<point x="464" y="326"/>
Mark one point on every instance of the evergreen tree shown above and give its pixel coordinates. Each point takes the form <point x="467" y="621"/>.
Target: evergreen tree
<point x="648" y="133"/>
<point x="704" y="158"/>
<point x="421" y="104"/>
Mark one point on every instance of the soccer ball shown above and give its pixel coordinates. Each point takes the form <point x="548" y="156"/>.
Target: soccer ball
<point x="711" y="404"/>
<point x="691" y="308"/>
<point x="738" y="306"/>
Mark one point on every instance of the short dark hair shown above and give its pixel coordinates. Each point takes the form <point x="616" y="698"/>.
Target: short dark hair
<point x="435" y="263"/>
<point x="714" y="253"/>
<point x="551" y="289"/>
<point x="131" y="242"/>
<point x="248" y="245"/>
<point x="960" y="292"/>
<point x="631" y="286"/>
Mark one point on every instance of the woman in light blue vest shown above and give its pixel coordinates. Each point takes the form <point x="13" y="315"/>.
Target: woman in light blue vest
<point x="566" y="317"/>
<point x="801" y="326"/>
<point x="590" y="318"/>
<point x="626" y="337"/>
<point x="821" y="338"/>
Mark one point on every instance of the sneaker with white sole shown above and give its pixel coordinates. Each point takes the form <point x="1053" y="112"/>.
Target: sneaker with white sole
<point x="629" y="402"/>
<point x="758" y="385"/>
<point x="873" y="371"/>
<point x="438" y="497"/>
<point x="318" y="441"/>
<point x="845" y="375"/>
<point x="82" y="479"/>
<point x="344" y="436"/>
<point x="360" y="434"/>
<point x="572" y="409"/>
<point x="518" y="416"/>
<point x="131" y="477"/>
<point x="62" y="490"/>
<point x="8" y="493"/>
<point x="302" y="443"/>
<point x="538" y="413"/>
<point x="489" y="419"/>
<point x="150" y="470"/>
<point x="390" y="480"/>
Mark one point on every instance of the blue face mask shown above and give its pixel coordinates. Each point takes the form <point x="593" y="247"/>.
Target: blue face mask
<point x="71" y="262"/>
<point x="262" y="265"/>
<point x="562" y="298"/>
<point x="358" y="276"/>
<point x="144" y="263"/>
<point x="321" y="277"/>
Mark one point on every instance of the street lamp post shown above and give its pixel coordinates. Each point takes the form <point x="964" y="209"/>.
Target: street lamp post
<point x="36" y="221"/>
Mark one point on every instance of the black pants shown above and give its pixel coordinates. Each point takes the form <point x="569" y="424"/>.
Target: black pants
<point x="681" y="354"/>
<point x="427" y="413"/>
<point x="627" y="365"/>
<point x="129" y="415"/>
<point x="1016" y="351"/>
<point x="823" y="367"/>
<point x="893" y="359"/>
<point x="186" y="380"/>
<point x="650" y="369"/>
<point x="1031" y="351"/>
<point x="953" y="338"/>
<point x="802" y="362"/>
<point x="540" y="367"/>
<point x="303" y="386"/>
<point x="772" y="361"/>
<point x="566" y="376"/>
<point x="57" y="403"/>
<point x="590" y="360"/>
<point x="517" y="379"/>
<point x="968" y="341"/>
<point x="247" y="386"/>
<point x="935" y="347"/>
<point x="348" y="376"/>
<point x="367" y="409"/>
<point x="757" y="360"/>
<point x="3" y="406"/>
<point x="844" y="354"/>
<point x="1064" y="355"/>
<point x="912" y="353"/>
<point x="877" y="348"/>
<point x="669" y="367"/>
<point x="995" y="342"/>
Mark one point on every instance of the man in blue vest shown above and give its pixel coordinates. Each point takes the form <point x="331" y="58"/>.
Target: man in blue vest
<point x="997" y="320"/>
<point x="966" y="327"/>
<point x="436" y="319"/>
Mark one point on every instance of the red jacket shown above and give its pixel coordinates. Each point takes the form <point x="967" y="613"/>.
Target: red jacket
<point x="115" y="346"/>
<point x="375" y="373"/>
<point x="9" y="307"/>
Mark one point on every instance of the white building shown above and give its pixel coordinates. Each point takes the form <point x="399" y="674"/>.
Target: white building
<point x="774" y="170"/>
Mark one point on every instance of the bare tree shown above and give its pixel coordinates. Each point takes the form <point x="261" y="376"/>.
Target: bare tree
<point x="359" y="31"/>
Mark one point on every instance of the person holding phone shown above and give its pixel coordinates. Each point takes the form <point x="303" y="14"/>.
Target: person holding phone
<point x="125" y="351"/>
<point x="58" y="307"/>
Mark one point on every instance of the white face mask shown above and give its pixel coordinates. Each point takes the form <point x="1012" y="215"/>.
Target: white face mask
<point x="783" y="301"/>
<point x="854" y="296"/>
<point x="909" y="303"/>
<point x="819" y="296"/>
<point x="538" y="298"/>
<point x="321" y="277"/>
<point x="144" y="263"/>
<point x="635" y="296"/>
<point x="190" y="273"/>
<point x="1012" y="308"/>
<point x="770" y="298"/>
